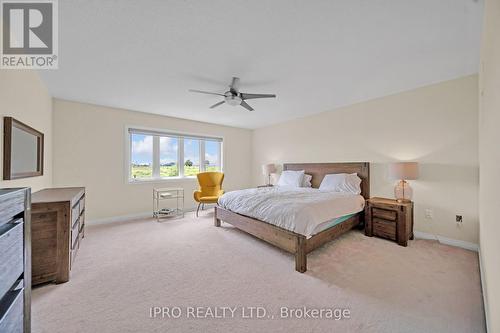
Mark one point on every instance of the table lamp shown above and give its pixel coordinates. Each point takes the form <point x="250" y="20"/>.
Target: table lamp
<point x="267" y="170"/>
<point x="403" y="171"/>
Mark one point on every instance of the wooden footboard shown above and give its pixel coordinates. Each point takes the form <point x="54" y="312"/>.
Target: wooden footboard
<point x="272" y="234"/>
<point x="287" y="240"/>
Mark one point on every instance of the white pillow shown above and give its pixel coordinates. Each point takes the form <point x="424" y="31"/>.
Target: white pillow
<point x="341" y="182"/>
<point x="353" y="184"/>
<point x="306" y="181"/>
<point x="291" y="178"/>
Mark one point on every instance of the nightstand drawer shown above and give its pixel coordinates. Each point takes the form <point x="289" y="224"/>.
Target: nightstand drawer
<point x="385" y="214"/>
<point x="384" y="228"/>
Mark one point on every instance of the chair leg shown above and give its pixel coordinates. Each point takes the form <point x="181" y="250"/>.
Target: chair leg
<point x="203" y="206"/>
<point x="197" y="209"/>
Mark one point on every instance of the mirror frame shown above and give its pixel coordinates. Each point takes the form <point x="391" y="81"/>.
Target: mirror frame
<point x="8" y="124"/>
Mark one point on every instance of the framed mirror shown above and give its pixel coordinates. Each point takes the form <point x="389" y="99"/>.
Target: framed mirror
<point x="22" y="150"/>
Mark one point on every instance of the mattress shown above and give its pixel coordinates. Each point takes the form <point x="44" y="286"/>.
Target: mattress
<point x="329" y="224"/>
<point x="305" y="211"/>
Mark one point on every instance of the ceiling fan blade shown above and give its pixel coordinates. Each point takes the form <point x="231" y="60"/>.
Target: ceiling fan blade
<point x="217" y="104"/>
<point x="205" y="92"/>
<point x="235" y="84"/>
<point x="246" y="106"/>
<point x="252" y="96"/>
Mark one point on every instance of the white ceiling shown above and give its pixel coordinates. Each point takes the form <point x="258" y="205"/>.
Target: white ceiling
<point x="315" y="55"/>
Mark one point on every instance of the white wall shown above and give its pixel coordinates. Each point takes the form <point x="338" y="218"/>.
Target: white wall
<point x="24" y="97"/>
<point x="489" y="152"/>
<point x="89" y="150"/>
<point x="434" y="125"/>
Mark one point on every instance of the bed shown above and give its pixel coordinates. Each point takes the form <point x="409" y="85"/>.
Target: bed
<point x="299" y="238"/>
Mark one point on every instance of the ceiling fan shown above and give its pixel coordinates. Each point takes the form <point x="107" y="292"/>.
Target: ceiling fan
<point x="233" y="96"/>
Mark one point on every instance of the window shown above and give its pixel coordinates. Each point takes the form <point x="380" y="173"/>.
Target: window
<point x="156" y="155"/>
<point x="169" y="154"/>
<point x="141" y="156"/>
<point x="212" y="156"/>
<point x="191" y="157"/>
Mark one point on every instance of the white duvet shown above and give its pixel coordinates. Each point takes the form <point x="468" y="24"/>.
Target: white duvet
<point x="299" y="210"/>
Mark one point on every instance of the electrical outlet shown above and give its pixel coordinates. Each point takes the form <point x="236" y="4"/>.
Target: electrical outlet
<point x="428" y="214"/>
<point x="458" y="218"/>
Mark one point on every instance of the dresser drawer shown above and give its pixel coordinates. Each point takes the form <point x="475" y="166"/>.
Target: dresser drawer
<point x="11" y="248"/>
<point x="11" y="311"/>
<point x="74" y="235"/>
<point x="384" y="228"/>
<point x="82" y="222"/>
<point x="385" y="214"/>
<point x="11" y="204"/>
<point x="75" y="212"/>
<point x="82" y="204"/>
<point x="74" y="252"/>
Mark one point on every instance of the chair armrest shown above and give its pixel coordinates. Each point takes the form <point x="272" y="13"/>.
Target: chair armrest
<point x="197" y="195"/>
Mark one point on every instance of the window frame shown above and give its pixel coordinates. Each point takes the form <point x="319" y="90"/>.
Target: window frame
<point x="156" y="133"/>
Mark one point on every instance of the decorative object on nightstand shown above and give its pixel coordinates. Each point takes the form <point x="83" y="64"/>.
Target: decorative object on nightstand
<point x="403" y="171"/>
<point x="389" y="218"/>
<point x="170" y="194"/>
<point x="267" y="170"/>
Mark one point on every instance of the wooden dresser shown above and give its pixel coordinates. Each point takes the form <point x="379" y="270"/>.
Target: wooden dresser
<point x="15" y="264"/>
<point x="388" y="218"/>
<point x="58" y="227"/>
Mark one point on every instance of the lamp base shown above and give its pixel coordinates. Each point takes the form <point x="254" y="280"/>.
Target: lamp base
<point x="403" y="192"/>
<point x="268" y="181"/>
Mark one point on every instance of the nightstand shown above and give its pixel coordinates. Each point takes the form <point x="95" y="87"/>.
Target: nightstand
<point x="390" y="219"/>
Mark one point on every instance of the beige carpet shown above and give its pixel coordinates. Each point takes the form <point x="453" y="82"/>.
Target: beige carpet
<point x="123" y="269"/>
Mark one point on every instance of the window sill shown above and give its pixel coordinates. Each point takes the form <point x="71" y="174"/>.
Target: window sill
<point x="161" y="180"/>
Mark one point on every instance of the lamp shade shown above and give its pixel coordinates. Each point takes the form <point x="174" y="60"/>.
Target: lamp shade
<point x="268" y="169"/>
<point x="403" y="170"/>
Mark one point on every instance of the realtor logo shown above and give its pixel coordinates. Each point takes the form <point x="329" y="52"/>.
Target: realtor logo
<point x="29" y="34"/>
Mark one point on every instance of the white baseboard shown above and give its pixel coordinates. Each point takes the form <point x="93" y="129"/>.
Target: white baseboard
<point x="447" y="241"/>
<point x="418" y="234"/>
<point x="120" y="218"/>
<point x="483" y="290"/>
<point x="130" y="217"/>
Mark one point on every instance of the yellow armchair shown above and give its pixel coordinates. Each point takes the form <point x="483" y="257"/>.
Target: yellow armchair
<point x="210" y="188"/>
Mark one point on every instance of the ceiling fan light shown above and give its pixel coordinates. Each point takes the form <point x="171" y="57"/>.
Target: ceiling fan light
<point x="233" y="100"/>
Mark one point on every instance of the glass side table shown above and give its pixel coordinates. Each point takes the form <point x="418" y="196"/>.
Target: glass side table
<point x="168" y="202"/>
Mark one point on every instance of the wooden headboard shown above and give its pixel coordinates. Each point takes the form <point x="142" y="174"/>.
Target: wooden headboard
<point x="319" y="170"/>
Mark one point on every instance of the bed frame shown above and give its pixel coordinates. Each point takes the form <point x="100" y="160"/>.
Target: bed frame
<point x="292" y="242"/>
